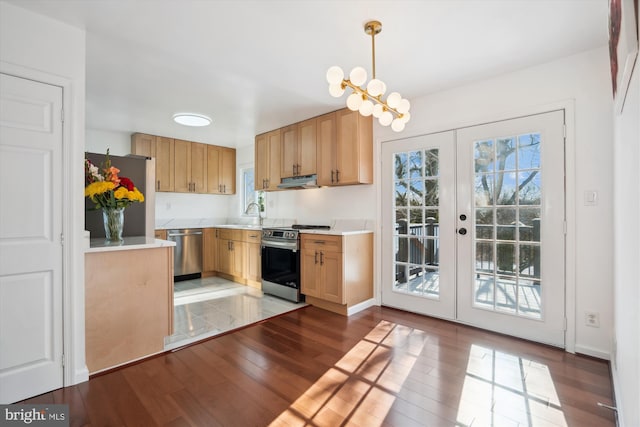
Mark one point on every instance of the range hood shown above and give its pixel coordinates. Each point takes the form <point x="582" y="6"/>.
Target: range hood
<point x="306" y="181"/>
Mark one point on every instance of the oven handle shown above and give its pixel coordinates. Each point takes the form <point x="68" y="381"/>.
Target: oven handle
<point x="281" y="245"/>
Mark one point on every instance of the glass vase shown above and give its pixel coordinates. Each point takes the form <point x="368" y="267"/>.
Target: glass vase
<point x="113" y="223"/>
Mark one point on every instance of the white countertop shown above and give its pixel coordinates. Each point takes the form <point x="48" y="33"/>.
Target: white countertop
<point x="335" y="232"/>
<point x="129" y="243"/>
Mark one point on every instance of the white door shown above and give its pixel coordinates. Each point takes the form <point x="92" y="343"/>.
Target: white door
<point x="474" y="226"/>
<point x="511" y="276"/>
<point x="30" y="238"/>
<point x="418" y="184"/>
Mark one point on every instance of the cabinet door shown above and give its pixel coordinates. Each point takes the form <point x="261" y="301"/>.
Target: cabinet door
<point x="306" y="147"/>
<point x="309" y="273"/>
<point x="143" y="145"/>
<point x="198" y="168"/>
<point x="164" y="152"/>
<point x="237" y="258"/>
<point x="227" y="170"/>
<point x="261" y="172"/>
<point x="288" y="151"/>
<point x="354" y="148"/>
<point x="252" y="269"/>
<point x="209" y="250"/>
<point x="224" y="256"/>
<point x="213" y="172"/>
<point x="182" y="166"/>
<point x="331" y="277"/>
<point x="325" y="148"/>
<point x="273" y="153"/>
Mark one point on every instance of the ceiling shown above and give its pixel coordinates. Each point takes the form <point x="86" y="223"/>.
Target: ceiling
<point x="254" y="66"/>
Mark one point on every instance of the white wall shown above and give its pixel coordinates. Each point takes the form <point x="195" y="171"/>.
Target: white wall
<point x="42" y="49"/>
<point x="625" y="358"/>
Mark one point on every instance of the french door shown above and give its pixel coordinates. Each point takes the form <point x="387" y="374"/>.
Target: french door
<point x="473" y="230"/>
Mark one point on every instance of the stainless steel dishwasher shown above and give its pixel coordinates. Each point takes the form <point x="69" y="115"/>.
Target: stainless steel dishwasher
<point x="187" y="254"/>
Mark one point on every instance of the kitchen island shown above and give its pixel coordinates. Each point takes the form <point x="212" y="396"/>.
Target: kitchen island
<point x="128" y="300"/>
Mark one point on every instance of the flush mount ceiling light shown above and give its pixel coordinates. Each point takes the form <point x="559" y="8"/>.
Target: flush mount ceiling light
<point x="191" y="119"/>
<point x="394" y="111"/>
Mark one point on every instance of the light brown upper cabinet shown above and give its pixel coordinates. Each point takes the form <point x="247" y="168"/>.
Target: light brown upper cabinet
<point x="267" y="161"/>
<point x="298" y="149"/>
<point x="221" y="170"/>
<point x="161" y="149"/>
<point x="185" y="166"/>
<point x="190" y="167"/>
<point x="345" y="148"/>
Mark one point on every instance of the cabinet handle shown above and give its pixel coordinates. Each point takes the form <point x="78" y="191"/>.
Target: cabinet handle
<point x="224" y="188"/>
<point x="319" y="242"/>
<point x="158" y="185"/>
<point x="337" y="175"/>
<point x="294" y="170"/>
<point x="315" y="258"/>
<point x="321" y="258"/>
<point x="332" y="172"/>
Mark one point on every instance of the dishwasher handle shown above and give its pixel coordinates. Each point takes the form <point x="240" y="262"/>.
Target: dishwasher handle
<point x="184" y="234"/>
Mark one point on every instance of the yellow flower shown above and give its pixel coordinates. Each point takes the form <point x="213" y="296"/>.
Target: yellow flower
<point x="97" y="188"/>
<point x="121" y="193"/>
<point x="135" y="195"/>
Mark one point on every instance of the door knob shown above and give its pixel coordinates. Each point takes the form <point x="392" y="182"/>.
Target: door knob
<point x="463" y="217"/>
<point x="462" y="231"/>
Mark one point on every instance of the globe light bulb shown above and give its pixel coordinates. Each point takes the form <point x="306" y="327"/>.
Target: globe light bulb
<point x="354" y="101"/>
<point x="403" y="106"/>
<point x="386" y="118"/>
<point x="393" y="99"/>
<point x="358" y="76"/>
<point x="366" y="108"/>
<point x="376" y="87"/>
<point x="377" y="110"/>
<point x="336" y="90"/>
<point x="405" y="117"/>
<point x="397" y="125"/>
<point x="335" y="75"/>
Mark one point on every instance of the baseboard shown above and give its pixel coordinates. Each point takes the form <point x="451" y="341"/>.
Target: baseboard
<point x="593" y="352"/>
<point x="361" y="306"/>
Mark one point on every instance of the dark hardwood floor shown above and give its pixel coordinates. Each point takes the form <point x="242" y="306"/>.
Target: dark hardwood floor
<point x="381" y="367"/>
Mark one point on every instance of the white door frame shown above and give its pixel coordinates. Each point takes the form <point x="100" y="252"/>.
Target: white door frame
<point x="570" y="199"/>
<point x="75" y="368"/>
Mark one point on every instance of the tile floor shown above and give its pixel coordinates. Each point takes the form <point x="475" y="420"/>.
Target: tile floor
<point x="213" y="305"/>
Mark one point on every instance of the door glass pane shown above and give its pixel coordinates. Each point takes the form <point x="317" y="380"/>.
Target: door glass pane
<point x="416" y="209"/>
<point x="507" y="220"/>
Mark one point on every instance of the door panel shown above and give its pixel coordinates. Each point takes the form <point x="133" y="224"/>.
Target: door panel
<point x="418" y="224"/>
<point x="30" y="238"/>
<point x="511" y="260"/>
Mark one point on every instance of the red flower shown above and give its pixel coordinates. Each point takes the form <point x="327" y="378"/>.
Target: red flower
<point x="126" y="182"/>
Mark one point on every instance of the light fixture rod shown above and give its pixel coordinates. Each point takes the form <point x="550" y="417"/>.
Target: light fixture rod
<point x="372" y="28"/>
<point x="376" y="99"/>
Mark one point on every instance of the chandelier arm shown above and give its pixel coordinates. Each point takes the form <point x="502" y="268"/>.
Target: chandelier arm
<point x="376" y="99"/>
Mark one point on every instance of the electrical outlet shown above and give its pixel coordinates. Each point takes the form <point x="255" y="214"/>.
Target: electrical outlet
<point x="592" y="318"/>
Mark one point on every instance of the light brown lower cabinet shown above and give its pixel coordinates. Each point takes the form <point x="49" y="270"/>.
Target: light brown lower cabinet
<point x="128" y="305"/>
<point x="234" y="254"/>
<point x="336" y="270"/>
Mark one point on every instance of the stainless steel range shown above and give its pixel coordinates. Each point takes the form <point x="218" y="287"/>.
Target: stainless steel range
<point x="281" y="261"/>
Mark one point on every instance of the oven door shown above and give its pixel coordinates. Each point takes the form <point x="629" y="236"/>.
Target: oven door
<point x="281" y="266"/>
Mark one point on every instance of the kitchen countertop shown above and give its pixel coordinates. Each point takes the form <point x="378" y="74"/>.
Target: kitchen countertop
<point x="335" y="232"/>
<point x="128" y="243"/>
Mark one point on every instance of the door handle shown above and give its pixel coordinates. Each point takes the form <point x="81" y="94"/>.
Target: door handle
<point x="321" y="258"/>
<point x="315" y="258"/>
<point x="332" y="172"/>
<point x="462" y="231"/>
<point x="337" y="175"/>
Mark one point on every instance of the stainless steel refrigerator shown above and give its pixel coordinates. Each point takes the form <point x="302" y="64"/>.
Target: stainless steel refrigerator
<point x="139" y="218"/>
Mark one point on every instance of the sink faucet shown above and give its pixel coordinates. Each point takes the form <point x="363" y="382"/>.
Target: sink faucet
<point x="252" y="204"/>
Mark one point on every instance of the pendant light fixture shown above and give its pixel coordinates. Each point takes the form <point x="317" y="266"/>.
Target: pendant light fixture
<point x="394" y="111"/>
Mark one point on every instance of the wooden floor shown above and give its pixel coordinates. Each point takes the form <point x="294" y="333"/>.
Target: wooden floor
<point x="381" y="367"/>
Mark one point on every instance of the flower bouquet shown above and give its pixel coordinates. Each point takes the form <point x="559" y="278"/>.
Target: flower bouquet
<point x="111" y="193"/>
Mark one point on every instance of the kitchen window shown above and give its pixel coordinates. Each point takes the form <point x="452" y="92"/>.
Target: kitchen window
<point x="252" y="196"/>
